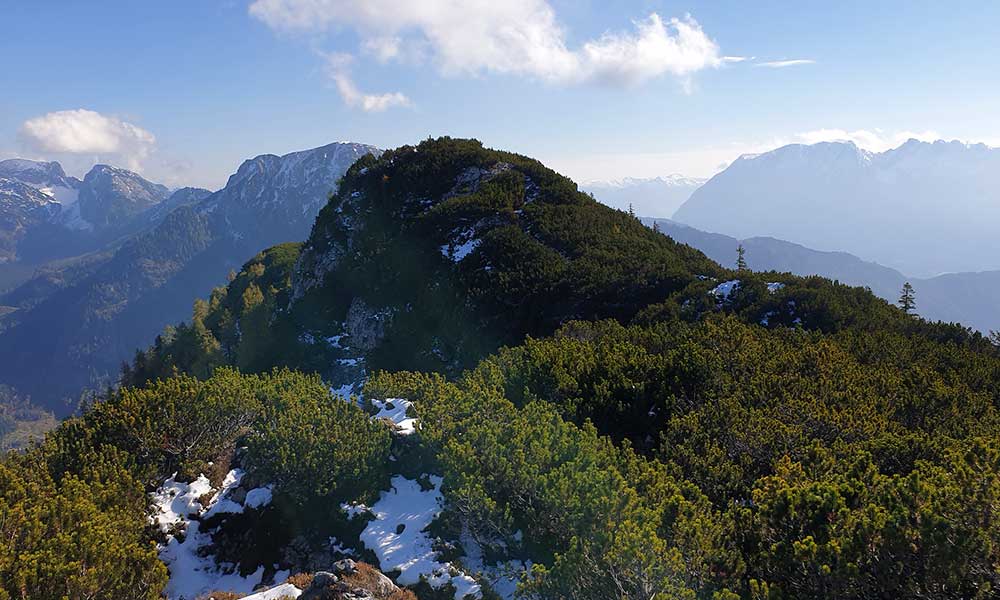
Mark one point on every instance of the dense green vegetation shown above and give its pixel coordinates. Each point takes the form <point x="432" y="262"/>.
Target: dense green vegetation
<point x="73" y="509"/>
<point x="772" y="464"/>
<point x="543" y="253"/>
<point x="592" y="400"/>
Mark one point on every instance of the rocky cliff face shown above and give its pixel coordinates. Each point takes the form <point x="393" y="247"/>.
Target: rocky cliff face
<point x="110" y="196"/>
<point x="22" y="207"/>
<point x="277" y="197"/>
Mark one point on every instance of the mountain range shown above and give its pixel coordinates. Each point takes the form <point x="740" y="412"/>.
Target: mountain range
<point x="654" y="196"/>
<point x="923" y="208"/>
<point x="96" y="267"/>
<point x="82" y="316"/>
<point x="967" y="298"/>
<point x="476" y="382"/>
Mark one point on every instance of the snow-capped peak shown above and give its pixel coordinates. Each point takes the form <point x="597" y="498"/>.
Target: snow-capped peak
<point x="674" y="179"/>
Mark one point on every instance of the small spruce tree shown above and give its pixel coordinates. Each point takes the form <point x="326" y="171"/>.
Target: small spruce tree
<point x="656" y="226"/>
<point x="907" y="298"/>
<point x="741" y="258"/>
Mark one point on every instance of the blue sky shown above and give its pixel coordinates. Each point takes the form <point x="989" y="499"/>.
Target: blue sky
<point x="184" y="91"/>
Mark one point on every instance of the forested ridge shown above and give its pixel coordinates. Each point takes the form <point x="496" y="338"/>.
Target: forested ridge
<point x="602" y="403"/>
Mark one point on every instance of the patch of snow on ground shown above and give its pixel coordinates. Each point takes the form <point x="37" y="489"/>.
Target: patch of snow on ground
<point x="395" y="410"/>
<point x="176" y="504"/>
<point x="223" y="504"/>
<point x="285" y="590"/>
<point x="410" y="551"/>
<point x="343" y="391"/>
<point x="464" y="250"/>
<point x="725" y="288"/>
<point x="258" y="497"/>
<point x="503" y="577"/>
<point x="454" y="252"/>
<point x="774" y="287"/>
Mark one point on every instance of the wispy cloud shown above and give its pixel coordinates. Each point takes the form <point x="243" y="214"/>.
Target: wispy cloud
<point x="780" y="64"/>
<point x="338" y="68"/>
<point x="513" y="37"/>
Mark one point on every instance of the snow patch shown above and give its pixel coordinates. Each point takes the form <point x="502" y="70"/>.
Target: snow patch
<point x="285" y="590"/>
<point x="258" y="497"/>
<point x="457" y="253"/>
<point x="503" y="577"/>
<point x="398" y="538"/>
<point x="177" y="507"/>
<point x="395" y="410"/>
<point x="724" y="289"/>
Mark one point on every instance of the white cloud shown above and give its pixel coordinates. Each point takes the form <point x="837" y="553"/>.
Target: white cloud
<point x="338" y="68"/>
<point x="87" y="132"/>
<point x="384" y="48"/>
<point x="780" y="64"/>
<point x="517" y="37"/>
<point x="678" y="47"/>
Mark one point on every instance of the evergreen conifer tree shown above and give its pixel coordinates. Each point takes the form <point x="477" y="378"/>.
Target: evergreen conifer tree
<point x="907" y="298"/>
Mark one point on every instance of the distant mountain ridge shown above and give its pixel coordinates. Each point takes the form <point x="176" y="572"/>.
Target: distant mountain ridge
<point x="968" y="298"/>
<point x="923" y="208"/>
<point x="655" y="197"/>
<point x="108" y="203"/>
<point x="22" y="207"/>
<point x="80" y="320"/>
<point x="111" y="196"/>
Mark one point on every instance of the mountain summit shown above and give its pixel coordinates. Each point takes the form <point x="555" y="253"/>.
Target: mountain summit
<point x="111" y="196"/>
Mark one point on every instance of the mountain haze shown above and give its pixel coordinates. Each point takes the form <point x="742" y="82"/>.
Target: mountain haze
<point x="968" y="298"/>
<point x="923" y="208"/>
<point x="654" y="197"/>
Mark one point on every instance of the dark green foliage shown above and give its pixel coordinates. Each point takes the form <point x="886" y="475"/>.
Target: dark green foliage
<point x="907" y="298"/>
<point x="73" y="509"/>
<point x="587" y="508"/>
<point x="311" y="444"/>
<point x="242" y="324"/>
<point x="840" y="466"/>
<point x="544" y="253"/>
<point x="75" y="535"/>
